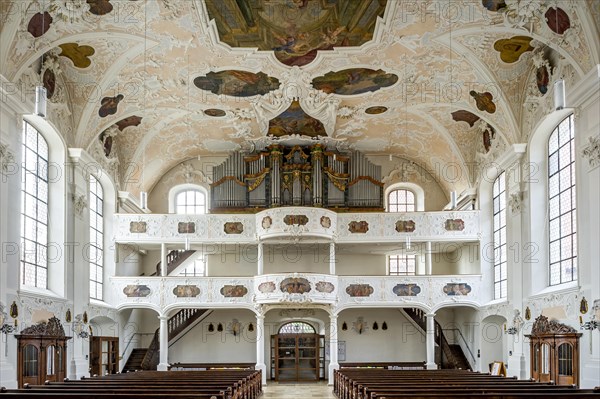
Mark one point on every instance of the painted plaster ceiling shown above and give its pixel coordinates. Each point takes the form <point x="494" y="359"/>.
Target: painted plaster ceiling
<point x="147" y="84"/>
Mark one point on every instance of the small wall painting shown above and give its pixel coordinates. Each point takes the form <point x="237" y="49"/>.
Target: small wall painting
<point x="407" y="290"/>
<point x="295" y="121"/>
<point x="109" y="105"/>
<point x="80" y="55"/>
<point x="542" y="79"/>
<point x="484" y="101"/>
<point x="215" y="112"/>
<point x="359" y="290"/>
<point x="295" y="285"/>
<point x="354" y="81"/>
<point x="558" y="20"/>
<point x="266" y="287"/>
<point x="465" y="116"/>
<point x="237" y="83"/>
<point x="405" y="226"/>
<point x="325" y="286"/>
<point x="233" y="228"/>
<point x="454" y="225"/>
<point x="267" y="222"/>
<point x="137" y="227"/>
<point x="100" y="7"/>
<point x="129" y="121"/>
<point x="511" y="49"/>
<point x="358" y="227"/>
<point x="493" y="5"/>
<point x="376" y="110"/>
<point x="186" y="291"/>
<point x="137" y="291"/>
<point x="49" y="80"/>
<point x="325" y="222"/>
<point x="186" y="227"/>
<point x="300" y="220"/>
<point x="39" y="24"/>
<point x="457" y="289"/>
<point x="233" y="291"/>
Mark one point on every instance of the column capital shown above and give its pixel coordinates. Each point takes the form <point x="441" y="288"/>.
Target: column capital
<point x="163" y="318"/>
<point x="429" y="314"/>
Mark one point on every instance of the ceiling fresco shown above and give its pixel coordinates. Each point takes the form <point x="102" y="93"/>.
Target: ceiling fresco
<point x="295" y="30"/>
<point x="166" y="81"/>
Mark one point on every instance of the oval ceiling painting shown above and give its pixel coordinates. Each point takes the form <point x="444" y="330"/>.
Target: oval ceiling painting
<point x="237" y="83"/>
<point x="214" y="112"/>
<point x="354" y="81"/>
<point x="376" y="110"/>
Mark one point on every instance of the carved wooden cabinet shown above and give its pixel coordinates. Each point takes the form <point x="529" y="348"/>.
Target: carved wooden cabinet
<point x="42" y="353"/>
<point x="104" y="355"/>
<point x="554" y="351"/>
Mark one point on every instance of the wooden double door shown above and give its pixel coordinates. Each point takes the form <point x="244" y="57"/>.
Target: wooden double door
<point x="297" y="357"/>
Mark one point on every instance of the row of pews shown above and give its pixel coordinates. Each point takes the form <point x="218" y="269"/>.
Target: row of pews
<point x="377" y="383"/>
<point x="209" y="384"/>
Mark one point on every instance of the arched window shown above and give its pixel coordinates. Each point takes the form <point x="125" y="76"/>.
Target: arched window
<point x="297" y="327"/>
<point x="190" y="202"/>
<point x="96" y="238"/>
<point x="403" y="265"/>
<point x="561" y="203"/>
<point x="34" y="209"/>
<point x="500" y="273"/>
<point x="401" y="200"/>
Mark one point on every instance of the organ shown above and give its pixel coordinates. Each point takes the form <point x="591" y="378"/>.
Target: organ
<point x="297" y="176"/>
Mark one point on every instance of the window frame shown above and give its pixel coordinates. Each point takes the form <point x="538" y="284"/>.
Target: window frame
<point x="41" y="248"/>
<point x="404" y="258"/>
<point x="500" y="244"/>
<point x="176" y="190"/>
<point x="406" y="206"/>
<point x="563" y="210"/>
<point x="98" y="242"/>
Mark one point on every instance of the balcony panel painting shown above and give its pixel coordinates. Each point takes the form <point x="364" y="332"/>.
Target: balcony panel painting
<point x="186" y="291"/>
<point x="456" y="289"/>
<point x="359" y="290"/>
<point x="407" y="290"/>
<point x="267" y="287"/>
<point x="295" y="285"/>
<point x="137" y="291"/>
<point x="325" y="286"/>
<point x="233" y="291"/>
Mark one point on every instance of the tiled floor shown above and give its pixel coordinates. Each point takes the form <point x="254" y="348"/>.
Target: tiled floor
<point x="297" y="391"/>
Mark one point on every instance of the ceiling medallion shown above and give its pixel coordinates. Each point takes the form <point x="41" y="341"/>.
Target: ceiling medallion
<point x="215" y="112"/>
<point x="376" y="110"/>
<point x="237" y="83"/>
<point x="354" y="81"/>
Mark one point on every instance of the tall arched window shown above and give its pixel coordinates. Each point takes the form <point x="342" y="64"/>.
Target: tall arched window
<point x="500" y="273"/>
<point x="401" y="200"/>
<point x="96" y="238"/>
<point x="561" y="203"/>
<point x="190" y="202"/>
<point x="34" y="209"/>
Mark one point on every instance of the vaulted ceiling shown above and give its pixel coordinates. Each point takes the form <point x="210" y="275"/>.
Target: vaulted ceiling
<point x="147" y="84"/>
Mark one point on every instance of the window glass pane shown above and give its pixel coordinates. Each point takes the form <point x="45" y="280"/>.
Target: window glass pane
<point x="190" y="202"/>
<point x="96" y="247"/>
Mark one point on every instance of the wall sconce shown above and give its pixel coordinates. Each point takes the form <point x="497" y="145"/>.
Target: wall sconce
<point x="235" y="327"/>
<point x="211" y="327"/>
<point x="512" y="330"/>
<point x="591" y="325"/>
<point x="360" y="325"/>
<point x="251" y="327"/>
<point x="375" y="326"/>
<point x="344" y="326"/>
<point x="384" y="326"/>
<point x="220" y="327"/>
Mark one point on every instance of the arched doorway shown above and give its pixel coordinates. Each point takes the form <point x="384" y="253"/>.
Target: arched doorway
<point x="297" y="352"/>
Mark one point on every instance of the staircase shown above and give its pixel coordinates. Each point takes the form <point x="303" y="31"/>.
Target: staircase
<point x="148" y="359"/>
<point x="449" y="356"/>
<point x="134" y="362"/>
<point x="174" y="259"/>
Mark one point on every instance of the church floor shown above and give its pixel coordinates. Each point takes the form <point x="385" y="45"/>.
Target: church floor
<point x="295" y="391"/>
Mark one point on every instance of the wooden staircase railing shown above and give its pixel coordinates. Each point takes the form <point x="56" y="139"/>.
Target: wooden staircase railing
<point x="174" y="259"/>
<point x="452" y="359"/>
<point x="175" y="326"/>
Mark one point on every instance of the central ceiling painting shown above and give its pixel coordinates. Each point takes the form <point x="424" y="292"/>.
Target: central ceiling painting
<point x="295" y="29"/>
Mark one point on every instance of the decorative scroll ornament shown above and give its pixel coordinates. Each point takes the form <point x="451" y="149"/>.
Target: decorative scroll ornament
<point x="591" y="151"/>
<point x="192" y="175"/>
<point x="7" y="157"/>
<point x="542" y="325"/>
<point x="52" y="327"/>
<point x="519" y="13"/>
<point x="79" y="204"/>
<point x="516" y="203"/>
